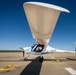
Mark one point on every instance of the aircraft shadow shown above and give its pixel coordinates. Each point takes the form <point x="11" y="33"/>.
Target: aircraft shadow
<point x="32" y="68"/>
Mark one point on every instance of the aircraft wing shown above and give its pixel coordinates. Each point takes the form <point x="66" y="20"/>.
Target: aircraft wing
<point x="42" y="19"/>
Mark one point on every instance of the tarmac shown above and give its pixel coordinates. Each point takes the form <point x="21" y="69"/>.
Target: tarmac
<point x="53" y="64"/>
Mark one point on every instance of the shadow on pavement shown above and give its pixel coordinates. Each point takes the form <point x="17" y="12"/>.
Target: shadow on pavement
<point x="32" y="68"/>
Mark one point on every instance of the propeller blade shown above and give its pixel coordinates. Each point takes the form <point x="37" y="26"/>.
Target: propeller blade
<point x="23" y="53"/>
<point x="21" y="48"/>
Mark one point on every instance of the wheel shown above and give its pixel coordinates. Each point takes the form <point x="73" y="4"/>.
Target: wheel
<point x="41" y="59"/>
<point x="25" y="59"/>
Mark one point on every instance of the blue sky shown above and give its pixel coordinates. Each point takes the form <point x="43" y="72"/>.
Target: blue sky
<point x="15" y="31"/>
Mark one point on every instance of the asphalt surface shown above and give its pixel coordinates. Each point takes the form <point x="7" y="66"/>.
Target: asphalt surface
<point x="53" y="64"/>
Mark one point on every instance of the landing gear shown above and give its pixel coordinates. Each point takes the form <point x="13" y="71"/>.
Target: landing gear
<point x="25" y="59"/>
<point x="27" y="56"/>
<point x="41" y="59"/>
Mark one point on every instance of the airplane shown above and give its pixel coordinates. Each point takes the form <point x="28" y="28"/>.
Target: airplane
<point x="42" y="18"/>
<point x="28" y="50"/>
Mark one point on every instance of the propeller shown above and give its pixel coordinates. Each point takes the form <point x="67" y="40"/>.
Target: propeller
<point x="23" y="51"/>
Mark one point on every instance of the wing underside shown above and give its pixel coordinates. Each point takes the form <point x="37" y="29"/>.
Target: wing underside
<point x="42" y="20"/>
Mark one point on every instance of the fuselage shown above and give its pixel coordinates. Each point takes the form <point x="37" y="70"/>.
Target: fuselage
<point x="37" y="49"/>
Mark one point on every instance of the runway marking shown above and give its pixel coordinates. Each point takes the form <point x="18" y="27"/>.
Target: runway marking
<point x="58" y="60"/>
<point x="8" y="67"/>
<point x="73" y="72"/>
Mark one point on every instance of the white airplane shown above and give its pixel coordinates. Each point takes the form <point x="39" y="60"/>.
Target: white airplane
<point x="28" y="50"/>
<point x="42" y="18"/>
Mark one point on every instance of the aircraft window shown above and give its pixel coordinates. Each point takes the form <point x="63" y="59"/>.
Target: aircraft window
<point x="39" y="48"/>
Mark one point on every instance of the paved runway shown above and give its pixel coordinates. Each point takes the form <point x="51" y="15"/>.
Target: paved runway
<point x="32" y="67"/>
